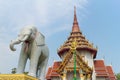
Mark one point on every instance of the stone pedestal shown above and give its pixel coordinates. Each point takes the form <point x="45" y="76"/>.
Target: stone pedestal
<point x="16" y="77"/>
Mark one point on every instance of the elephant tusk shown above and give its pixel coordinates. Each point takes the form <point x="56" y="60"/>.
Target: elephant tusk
<point x="25" y="38"/>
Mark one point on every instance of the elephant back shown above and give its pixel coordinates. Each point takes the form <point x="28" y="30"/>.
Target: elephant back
<point x="40" y="39"/>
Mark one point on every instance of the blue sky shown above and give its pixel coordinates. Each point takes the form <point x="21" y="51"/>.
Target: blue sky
<point x="99" y="21"/>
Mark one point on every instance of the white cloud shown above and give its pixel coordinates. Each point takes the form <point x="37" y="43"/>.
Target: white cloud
<point x="49" y="11"/>
<point x="49" y="32"/>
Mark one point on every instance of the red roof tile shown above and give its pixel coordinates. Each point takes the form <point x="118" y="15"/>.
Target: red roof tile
<point x="100" y="68"/>
<point x="111" y="73"/>
<point x="48" y="73"/>
<point x="56" y="64"/>
<point x="52" y="70"/>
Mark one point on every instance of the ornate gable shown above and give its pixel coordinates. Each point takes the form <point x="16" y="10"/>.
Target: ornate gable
<point x="68" y="62"/>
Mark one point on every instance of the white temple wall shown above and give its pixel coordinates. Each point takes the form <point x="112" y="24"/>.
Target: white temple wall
<point x="88" y="57"/>
<point x="93" y="75"/>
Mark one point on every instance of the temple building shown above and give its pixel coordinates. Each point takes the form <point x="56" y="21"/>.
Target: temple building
<point x="79" y="61"/>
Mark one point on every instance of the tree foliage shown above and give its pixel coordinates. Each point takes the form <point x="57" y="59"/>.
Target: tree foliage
<point x="13" y="70"/>
<point x="26" y="73"/>
<point x="118" y="76"/>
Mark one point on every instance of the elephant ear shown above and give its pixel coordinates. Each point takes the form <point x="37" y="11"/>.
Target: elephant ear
<point x="40" y="39"/>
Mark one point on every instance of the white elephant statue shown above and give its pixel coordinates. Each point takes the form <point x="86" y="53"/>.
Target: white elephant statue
<point x="33" y="48"/>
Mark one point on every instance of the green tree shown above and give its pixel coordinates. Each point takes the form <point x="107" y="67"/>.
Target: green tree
<point x="26" y="73"/>
<point x="13" y="70"/>
<point x="118" y="76"/>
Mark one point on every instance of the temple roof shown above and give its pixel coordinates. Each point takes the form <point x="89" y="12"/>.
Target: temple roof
<point x="49" y="73"/>
<point x="110" y="72"/>
<point x="100" y="68"/>
<point x="83" y="43"/>
<point x="81" y="64"/>
<point x="52" y="71"/>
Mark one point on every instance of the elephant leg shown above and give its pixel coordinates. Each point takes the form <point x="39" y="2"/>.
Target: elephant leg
<point x="34" y="62"/>
<point x="22" y="61"/>
<point x="42" y="69"/>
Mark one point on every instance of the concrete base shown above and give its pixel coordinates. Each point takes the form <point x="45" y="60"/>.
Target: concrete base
<point x="16" y="77"/>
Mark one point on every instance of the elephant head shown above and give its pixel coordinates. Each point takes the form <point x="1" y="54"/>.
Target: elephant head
<point x="26" y="34"/>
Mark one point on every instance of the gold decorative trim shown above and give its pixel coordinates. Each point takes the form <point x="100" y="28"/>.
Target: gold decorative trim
<point x="16" y="77"/>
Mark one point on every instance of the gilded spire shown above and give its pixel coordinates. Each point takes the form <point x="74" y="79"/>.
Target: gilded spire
<point x="75" y="27"/>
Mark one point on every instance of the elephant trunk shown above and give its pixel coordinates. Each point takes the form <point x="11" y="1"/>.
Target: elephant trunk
<point x="18" y="41"/>
<point x="13" y="43"/>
